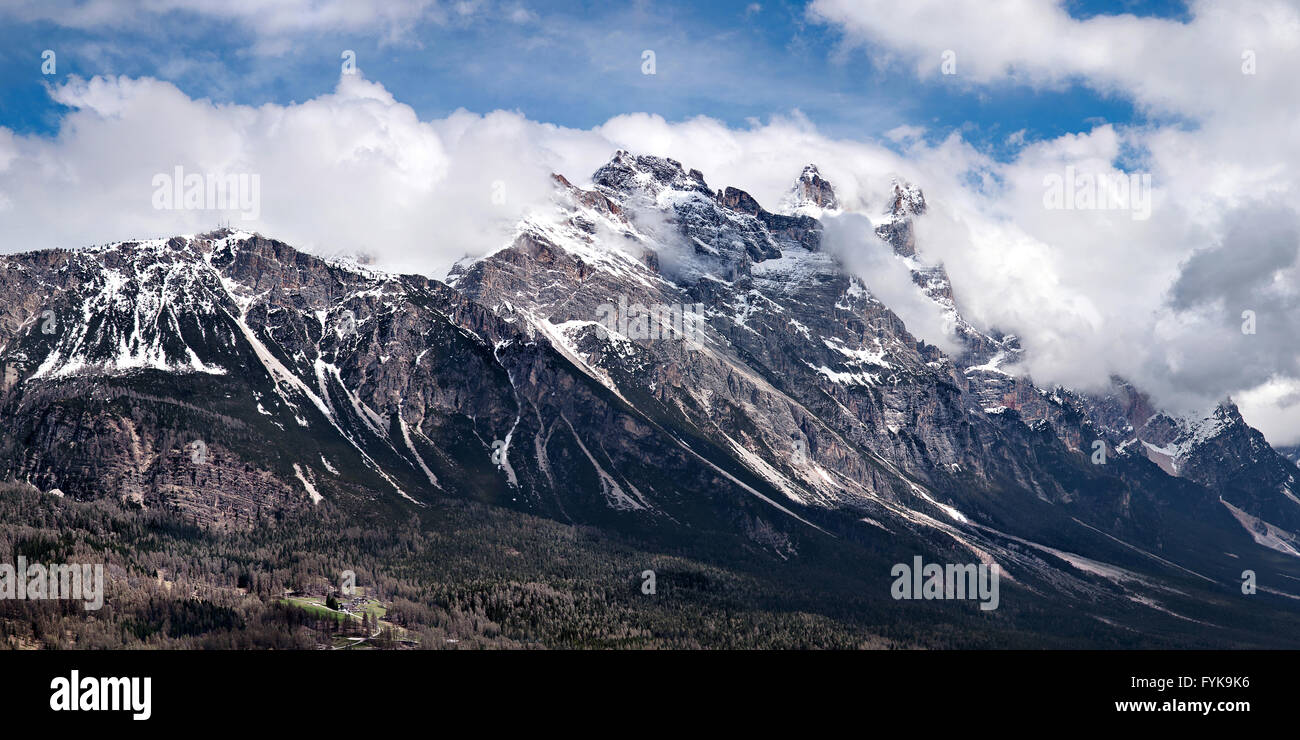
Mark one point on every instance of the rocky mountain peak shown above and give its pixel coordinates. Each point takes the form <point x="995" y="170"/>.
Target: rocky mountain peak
<point x="626" y="173"/>
<point x="812" y="189"/>
<point x="811" y="195"/>
<point x="726" y="230"/>
<point x="907" y="200"/>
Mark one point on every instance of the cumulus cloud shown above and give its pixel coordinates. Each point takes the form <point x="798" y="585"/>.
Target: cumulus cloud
<point x="1244" y="297"/>
<point x="1182" y="67"/>
<point x="354" y="171"/>
<point x="1259" y="244"/>
<point x="284" y="16"/>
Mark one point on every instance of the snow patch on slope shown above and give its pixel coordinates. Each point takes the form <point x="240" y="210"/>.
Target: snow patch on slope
<point x="316" y="498"/>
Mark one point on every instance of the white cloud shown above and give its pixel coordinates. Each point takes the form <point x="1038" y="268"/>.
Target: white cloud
<point x="282" y="16"/>
<point x="905" y="133"/>
<point x="350" y="171"/>
<point x="1193" y="67"/>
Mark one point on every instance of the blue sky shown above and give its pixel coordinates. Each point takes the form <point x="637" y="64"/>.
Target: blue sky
<point x="574" y="64"/>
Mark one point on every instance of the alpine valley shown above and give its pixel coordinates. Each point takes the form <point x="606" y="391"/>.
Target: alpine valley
<point x="229" y="424"/>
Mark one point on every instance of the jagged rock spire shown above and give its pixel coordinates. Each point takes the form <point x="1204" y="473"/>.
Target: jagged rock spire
<point x="811" y="194"/>
<point x="907" y="201"/>
<point x="812" y="188"/>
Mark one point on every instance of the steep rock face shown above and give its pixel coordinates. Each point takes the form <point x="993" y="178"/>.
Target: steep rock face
<point x="1220" y="451"/>
<point x="1215" y="449"/>
<point x="757" y="351"/>
<point x="652" y="357"/>
<point x="274" y="361"/>
<point x="805" y="375"/>
<point x="907" y="201"/>
<point x="812" y="189"/>
<point x="236" y="379"/>
<point x="91" y="438"/>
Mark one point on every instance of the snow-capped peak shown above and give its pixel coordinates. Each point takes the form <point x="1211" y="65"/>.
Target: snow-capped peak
<point x="908" y="200"/>
<point x="811" y="195"/>
<point x="626" y="173"/>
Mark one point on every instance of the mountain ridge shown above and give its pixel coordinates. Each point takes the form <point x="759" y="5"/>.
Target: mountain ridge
<point x="803" y="415"/>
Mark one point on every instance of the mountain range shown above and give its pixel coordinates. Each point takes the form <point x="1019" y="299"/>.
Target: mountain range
<point x="668" y="364"/>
